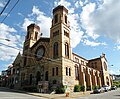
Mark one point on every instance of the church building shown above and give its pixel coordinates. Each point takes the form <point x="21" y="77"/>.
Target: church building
<point x="49" y="62"/>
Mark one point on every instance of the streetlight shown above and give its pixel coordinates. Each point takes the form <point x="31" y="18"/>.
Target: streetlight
<point x="5" y="39"/>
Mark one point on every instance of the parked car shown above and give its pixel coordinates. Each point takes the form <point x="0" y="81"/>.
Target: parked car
<point x="99" y="90"/>
<point x="113" y="87"/>
<point x="106" y="88"/>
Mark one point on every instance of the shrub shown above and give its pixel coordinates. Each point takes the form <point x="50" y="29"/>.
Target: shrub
<point x="116" y="83"/>
<point x="77" y="88"/>
<point x="60" y="90"/>
<point x="94" y="87"/>
<point x="83" y="88"/>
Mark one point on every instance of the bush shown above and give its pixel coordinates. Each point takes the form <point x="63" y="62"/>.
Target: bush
<point x="94" y="87"/>
<point x="60" y="90"/>
<point x="77" y="88"/>
<point x="83" y="88"/>
<point x="116" y="84"/>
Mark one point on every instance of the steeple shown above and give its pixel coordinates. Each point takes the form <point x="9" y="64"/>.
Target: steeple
<point x="33" y="31"/>
<point x="60" y="33"/>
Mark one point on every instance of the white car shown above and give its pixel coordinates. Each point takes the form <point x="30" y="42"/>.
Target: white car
<point x="106" y="87"/>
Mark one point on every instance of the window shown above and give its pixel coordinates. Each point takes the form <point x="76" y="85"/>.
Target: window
<point x="55" y="51"/>
<point x="69" y="72"/>
<point x="27" y="35"/>
<point x="55" y="33"/>
<point x="82" y="62"/>
<point x="92" y="65"/>
<point x="56" y="70"/>
<point x="66" y="71"/>
<point x="36" y="34"/>
<point x="53" y="70"/>
<point x="105" y="66"/>
<point x="66" y="34"/>
<point x="95" y="64"/>
<point x="66" y="50"/>
<point x="76" y="60"/>
<point x="65" y="19"/>
<point x="25" y="59"/>
<point x="56" y="18"/>
<point x="76" y="73"/>
<point x="30" y="82"/>
<point x="46" y="76"/>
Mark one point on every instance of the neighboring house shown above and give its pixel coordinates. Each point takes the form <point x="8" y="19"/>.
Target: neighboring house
<point x="116" y="77"/>
<point x="4" y="78"/>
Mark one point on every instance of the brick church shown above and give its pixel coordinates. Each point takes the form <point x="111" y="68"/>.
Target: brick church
<point x="50" y="62"/>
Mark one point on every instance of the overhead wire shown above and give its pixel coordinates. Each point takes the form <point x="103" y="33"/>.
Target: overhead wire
<point x="10" y="11"/>
<point x="5" y="7"/>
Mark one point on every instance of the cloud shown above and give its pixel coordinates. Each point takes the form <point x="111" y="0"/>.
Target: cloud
<point x="104" y="21"/>
<point x="117" y="47"/>
<point x="27" y="21"/>
<point x="62" y="2"/>
<point x="91" y="43"/>
<point x="86" y="22"/>
<point x="8" y="50"/>
<point x="73" y="17"/>
<point x="81" y="3"/>
<point x="40" y="19"/>
<point x="1" y="4"/>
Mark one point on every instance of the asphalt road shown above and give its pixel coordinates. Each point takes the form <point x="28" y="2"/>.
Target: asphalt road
<point x="114" y="94"/>
<point x="8" y="94"/>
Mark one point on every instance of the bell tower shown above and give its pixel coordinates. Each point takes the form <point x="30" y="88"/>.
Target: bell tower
<point x="30" y="39"/>
<point x="60" y="34"/>
<point x="32" y="35"/>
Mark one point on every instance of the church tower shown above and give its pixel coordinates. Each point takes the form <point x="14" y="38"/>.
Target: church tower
<point x="60" y="34"/>
<point x="60" y="49"/>
<point x="32" y="36"/>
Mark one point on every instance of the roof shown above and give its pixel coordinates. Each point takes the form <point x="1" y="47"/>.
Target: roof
<point x="79" y="56"/>
<point x="43" y="39"/>
<point x="95" y="59"/>
<point x="33" y="25"/>
<point x="60" y="7"/>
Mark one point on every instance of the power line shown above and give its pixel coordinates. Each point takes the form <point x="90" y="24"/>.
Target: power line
<point x="10" y="11"/>
<point x="5" y="7"/>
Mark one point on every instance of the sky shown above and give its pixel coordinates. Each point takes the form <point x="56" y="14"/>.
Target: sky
<point x="95" y="27"/>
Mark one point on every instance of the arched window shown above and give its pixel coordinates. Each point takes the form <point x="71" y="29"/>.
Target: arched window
<point x="69" y="72"/>
<point x="66" y="71"/>
<point x="46" y="76"/>
<point x="30" y="79"/>
<point x="66" y="50"/>
<point x="105" y="66"/>
<point x="56" y="18"/>
<point x="76" y="73"/>
<point x="55" y="51"/>
<point x="65" y="19"/>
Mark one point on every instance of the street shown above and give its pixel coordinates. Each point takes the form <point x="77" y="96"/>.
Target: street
<point x="114" y="94"/>
<point x="8" y="94"/>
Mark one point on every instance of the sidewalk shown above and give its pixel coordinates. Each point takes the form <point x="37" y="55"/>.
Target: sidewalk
<point x="61" y="96"/>
<point x="56" y="96"/>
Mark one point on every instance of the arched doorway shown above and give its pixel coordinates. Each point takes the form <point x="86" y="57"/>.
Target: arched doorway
<point x="38" y="78"/>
